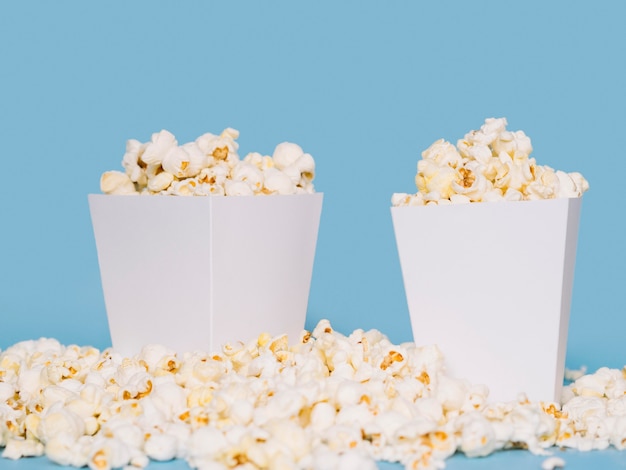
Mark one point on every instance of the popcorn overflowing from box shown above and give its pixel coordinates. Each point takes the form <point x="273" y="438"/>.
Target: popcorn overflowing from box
<point x="174" y="268"/>
<point x="283" y="402"/>
<point x="209" y="166"/>
<point x="489" y="164"/>
<point x="487" y="249"/>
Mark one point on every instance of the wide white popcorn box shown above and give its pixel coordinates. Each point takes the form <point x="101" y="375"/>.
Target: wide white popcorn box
<point x="197" y="272"/>
<point x="491" y="284"/>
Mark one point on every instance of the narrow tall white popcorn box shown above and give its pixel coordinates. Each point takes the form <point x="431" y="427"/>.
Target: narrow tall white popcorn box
<point x="491" y="285"/>
<point x="193" y="273"/>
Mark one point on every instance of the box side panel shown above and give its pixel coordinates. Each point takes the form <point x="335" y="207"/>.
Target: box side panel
<point x="154" y="264"/>
<point x="484" y="282"/>
<point x="573" y="222"/>
<point x="263" y="253"/>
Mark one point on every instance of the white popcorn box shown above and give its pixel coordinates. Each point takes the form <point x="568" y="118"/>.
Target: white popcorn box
<point x="491" y="284"/>
<point x="193" y="273"/>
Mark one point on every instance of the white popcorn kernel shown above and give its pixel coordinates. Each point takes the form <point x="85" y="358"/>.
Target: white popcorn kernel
<point x="400" y="199"/>
<point x="477" y="435"/>
<point x="605" y="382"/>
<point x="574" y="374"/>
<point x="132" y="163"/>
<point x="545" y="185"/>
<point x="108" y="453"/>
<point x="470" y="183"/>
<point x="275" y="181"/>
<point x="349" y="393"/>
<point x="494" y="195"/>
<point x="168" y="398"/>
<point x="618" y="433"/>
<point x="18" y="448"/>
<point x="176" y="162"/>
<point x="65" y="450"/>
<point x="216" y="174"/>
<point x="160" y="181"/>
<point x="125" y="431"/>
<point x="158" y="358"/>
<point x="451" y="393"/>
<point x="285" y="154"/>
<point x="580" y="182"/>
<point x="301" y="171"/>
<point x="161" y="447"/>
<point x="490" y="130"/>
<point x="552" y="462"/>
<point x="474" y="151"/>
<point x="262" y="162"/>
<point x="292" y="436"/>
<point x="222" y="148"/>
<point x="116" y="182"/>
<point x="461" y="198"/>
<point x="616" y="406"/>
<point x="158" y="147"/>
<point x="571" y="184"/>
<point x="513" y="174"/>
<point x="185" y="187"/>
<point x="87" y="412"/>
<point x="59" y="420"/>
<point x="390" y="422"/>
<point x="305" y="187"/>
<point x="197" y="159"/>
<point x="242" y="412"/>
<point x="513" y="195"/>
<point x="443" y="153"/>
<point x="249" y="174"/>
<point x="434" y="178"/>
<point x="206" y="443"/>
<point x="523" y="145"/>
<point x="322" y="416"/>
<point x="342" y="437"/>
<point x="237" y="188"/>
<point x="355" y="460"/>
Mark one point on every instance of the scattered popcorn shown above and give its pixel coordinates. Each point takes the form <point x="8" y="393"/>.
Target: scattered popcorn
<point x="325" y="400"/>
<point x="490" y="164"/>
<point x="209" y="166"/>
<point x="573" y="374"/>
<point x="552" y="463"/>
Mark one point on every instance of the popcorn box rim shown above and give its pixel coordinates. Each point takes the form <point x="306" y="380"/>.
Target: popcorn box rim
<point x="556" y="200"/>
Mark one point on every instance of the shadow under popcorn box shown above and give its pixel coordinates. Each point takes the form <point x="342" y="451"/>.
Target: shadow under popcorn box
<point x="491" y="284"/>
<point x="193" y="273"/>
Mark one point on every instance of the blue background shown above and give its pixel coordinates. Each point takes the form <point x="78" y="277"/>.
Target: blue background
<point x="363" y="86"/>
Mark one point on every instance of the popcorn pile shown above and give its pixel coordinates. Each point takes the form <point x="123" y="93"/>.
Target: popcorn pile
<point x="209" y="166"/>
<point x="326" y="401"/>
<point x="491" y="164"/>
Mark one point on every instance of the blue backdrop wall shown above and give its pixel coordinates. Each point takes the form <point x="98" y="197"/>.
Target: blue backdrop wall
<point x="362" y="86"/>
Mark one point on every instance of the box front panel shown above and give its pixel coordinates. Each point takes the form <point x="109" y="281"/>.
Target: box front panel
<point x="155" y="267"/>
<point x="263" y="252"/>
<point x="485" y="283"/>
